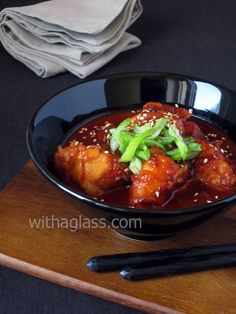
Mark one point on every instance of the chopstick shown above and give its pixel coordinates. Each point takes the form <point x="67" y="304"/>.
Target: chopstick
<point x="181" y="266"/>
<point x="156" y="258"/>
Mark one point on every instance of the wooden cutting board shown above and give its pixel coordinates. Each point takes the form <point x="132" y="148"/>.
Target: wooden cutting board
<point x="59" y="255"/>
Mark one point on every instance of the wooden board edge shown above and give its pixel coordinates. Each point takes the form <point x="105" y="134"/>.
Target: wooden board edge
<point x="83" y="286"/>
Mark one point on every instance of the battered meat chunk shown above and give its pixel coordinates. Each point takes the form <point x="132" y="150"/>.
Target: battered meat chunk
<point x="213" y="168"/>
<point x="156" y="180"/>
<point x="93" y="169"/>
<point x="164" y="108"/>
<point x="192" y="129"/>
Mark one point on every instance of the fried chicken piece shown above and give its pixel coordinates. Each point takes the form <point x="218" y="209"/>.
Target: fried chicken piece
<point x="91" y="168"/>
<point x="157" y="179"/>
<point x="213" y="168"/>
<point x="192" y="129"/>
<point x="164" y="108"/>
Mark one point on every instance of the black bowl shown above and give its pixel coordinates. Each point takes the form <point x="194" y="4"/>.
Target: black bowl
<point x="60" y="114"/>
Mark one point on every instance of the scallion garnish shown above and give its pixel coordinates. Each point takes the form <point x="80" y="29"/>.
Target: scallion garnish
<point x="193" y="150"/>
<point x="143" y="154"/>
<point x="179" y="141"/>
<point x="133" y="146"/>
<point x="115" y="134"/>
<point x="158" y="127"/>
<point x="134" y="142"/>
<point x="135" y="165"/>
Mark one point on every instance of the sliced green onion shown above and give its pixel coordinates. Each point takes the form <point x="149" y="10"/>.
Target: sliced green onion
<point x="115" y="137"/>
<point x="179" y="141"/>
<point x="149" y="142"/>
<point x="124" y="138"/>
<point x="133" y="145"/>
<point x="194" y="150"/>
<point x="165" y="132"/>
<point x="166" y="140"/>
<point x="141" y="129"/>
<point x="153" y="143"/>
<point x="135" y="165"/>
<point x="142" y="146"/>
<point x="174" y="154"/>
<point x="143" y="154"/>
<point x="158" y="127"/>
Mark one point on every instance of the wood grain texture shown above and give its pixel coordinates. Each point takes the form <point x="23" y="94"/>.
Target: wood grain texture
<point x="59" y="255"/>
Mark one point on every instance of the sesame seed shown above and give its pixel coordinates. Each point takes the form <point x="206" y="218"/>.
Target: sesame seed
<point x="126" y="169"/>
<point x="208" y="201"/>
<point x="205" y="160"/>
<point x="106" y="152"/>
<point x="176" y="105"/>
<point x="196" y="194"/>
<point x="222" y="151"/>
<point x="190" y="110"/>
<point x="195" y="200"/>
<point x="157" y="193"/>
<point x="216" y="197"/>
<point x="107" y="125"/>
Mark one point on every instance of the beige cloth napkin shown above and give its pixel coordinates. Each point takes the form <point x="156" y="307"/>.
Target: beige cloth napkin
<point x="79" y="36"/>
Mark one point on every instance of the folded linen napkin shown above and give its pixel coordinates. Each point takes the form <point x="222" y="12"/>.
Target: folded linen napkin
<point x="79" y="36"/>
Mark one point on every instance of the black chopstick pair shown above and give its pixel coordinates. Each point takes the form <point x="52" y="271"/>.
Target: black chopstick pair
<point x="152" y="264"/>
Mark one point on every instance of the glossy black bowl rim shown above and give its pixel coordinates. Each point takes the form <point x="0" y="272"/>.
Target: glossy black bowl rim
<point x="112" y="208"/>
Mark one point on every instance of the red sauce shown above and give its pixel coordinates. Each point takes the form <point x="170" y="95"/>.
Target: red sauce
<point x="193" y="193"/>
